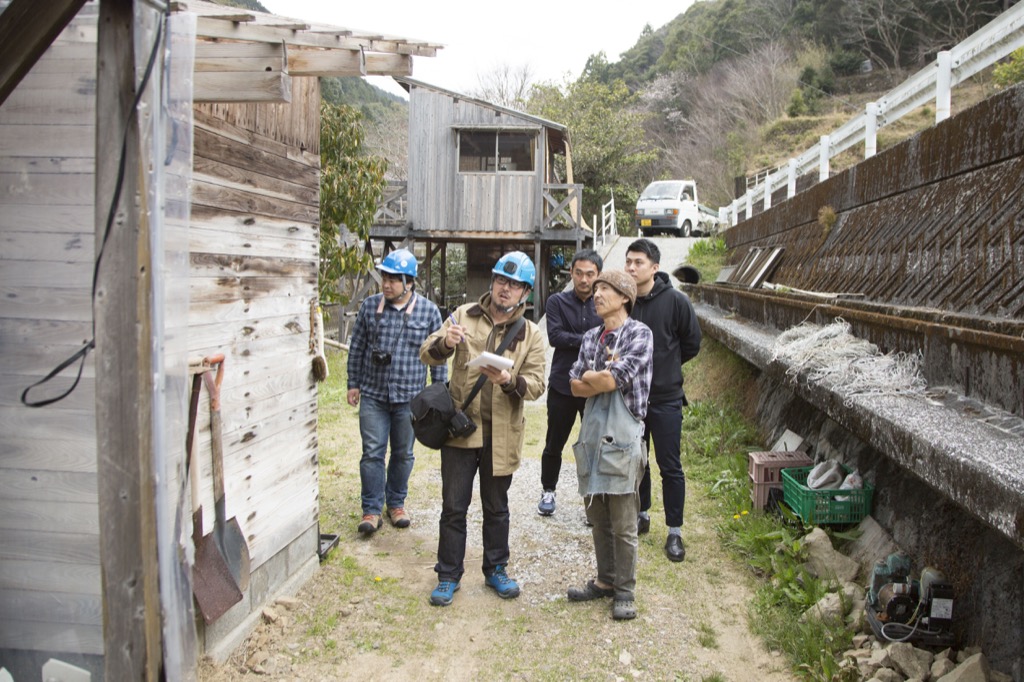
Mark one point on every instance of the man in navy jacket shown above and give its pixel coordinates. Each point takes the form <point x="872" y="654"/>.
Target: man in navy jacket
<point x="670" y="315"/>
<point x="570" y="314"/>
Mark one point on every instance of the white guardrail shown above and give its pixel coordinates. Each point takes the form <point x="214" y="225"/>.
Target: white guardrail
<point x="997" y="39"/>
<point x="609" y="230"/>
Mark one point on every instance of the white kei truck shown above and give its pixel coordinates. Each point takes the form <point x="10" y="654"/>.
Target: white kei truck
<point x="671" y="207"/>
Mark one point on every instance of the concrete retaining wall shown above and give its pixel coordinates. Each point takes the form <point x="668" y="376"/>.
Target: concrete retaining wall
<point x="921" y="249"/>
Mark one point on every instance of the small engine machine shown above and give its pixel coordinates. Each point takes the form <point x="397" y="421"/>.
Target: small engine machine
<point x="901" y="609"/>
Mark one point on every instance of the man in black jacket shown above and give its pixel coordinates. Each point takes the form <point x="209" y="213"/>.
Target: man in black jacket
<point x="570" y="314"/>
<point x="670" y="315"/>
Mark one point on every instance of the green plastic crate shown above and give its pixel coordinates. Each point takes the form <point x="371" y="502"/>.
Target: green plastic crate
<point x="822" y="507"/>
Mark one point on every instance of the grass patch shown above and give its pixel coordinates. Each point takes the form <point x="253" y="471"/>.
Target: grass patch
<point x="708" y="256"/>
<point x="718" y="433"/>
<point x="706" y="636"/>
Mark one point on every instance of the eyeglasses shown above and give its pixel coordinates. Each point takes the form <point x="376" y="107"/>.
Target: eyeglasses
<point x="510" y="283"/>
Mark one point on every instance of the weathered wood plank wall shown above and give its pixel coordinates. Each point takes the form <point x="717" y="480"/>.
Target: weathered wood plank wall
<point x="254" y="246"/>
<point x="49" y="520"/>
<point x="254" y="249"/>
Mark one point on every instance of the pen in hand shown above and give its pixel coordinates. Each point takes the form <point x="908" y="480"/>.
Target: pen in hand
<point x="451" y="317"/>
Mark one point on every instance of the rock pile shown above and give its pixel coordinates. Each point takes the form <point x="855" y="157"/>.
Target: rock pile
<point x="875" y="660"/>
<point x="903" y="662"/>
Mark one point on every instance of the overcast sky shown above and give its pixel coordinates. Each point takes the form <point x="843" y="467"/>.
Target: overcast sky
<point x="553" y="38"/>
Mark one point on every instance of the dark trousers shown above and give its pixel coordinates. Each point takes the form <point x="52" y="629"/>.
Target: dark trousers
<point x="562" y="412"/>
<point x="458" y="469"/>
<point x="664" y="424"/>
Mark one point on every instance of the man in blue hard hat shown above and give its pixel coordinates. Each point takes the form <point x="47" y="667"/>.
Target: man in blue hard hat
<point x="494" y="448"/>
<point x="384" y="373"/>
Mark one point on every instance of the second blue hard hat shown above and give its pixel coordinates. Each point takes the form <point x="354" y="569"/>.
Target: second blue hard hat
<point x="517" y="266"/>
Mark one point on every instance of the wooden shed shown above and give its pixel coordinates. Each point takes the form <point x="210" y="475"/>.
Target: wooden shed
<point x="486" y="176"/>
<point x="159" y="202"/>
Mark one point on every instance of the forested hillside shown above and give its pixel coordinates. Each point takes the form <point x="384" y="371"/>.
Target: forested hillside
<point x="731" y="87"/>
<point x="723" y="91"/>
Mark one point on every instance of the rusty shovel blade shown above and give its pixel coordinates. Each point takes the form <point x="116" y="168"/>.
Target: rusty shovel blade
<point x="213" y="585"/>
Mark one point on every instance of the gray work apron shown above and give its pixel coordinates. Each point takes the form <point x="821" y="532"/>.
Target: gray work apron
<point x="610" y="453"/>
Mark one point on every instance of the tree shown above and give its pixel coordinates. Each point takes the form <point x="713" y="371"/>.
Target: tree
<point x="506" y="85"/>
<point x="606" y="129"/>
<point x="387" y="136"/>
<point x="706" y="126"/>
<point x="351" y="184"/>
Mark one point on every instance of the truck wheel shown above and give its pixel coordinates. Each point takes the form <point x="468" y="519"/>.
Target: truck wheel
<point x="686" y="230"/>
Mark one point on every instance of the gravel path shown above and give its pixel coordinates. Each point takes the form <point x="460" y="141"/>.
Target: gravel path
<point x="365" y="614"/>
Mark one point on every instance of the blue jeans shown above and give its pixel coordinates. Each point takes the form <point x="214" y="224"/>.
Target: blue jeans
<point x="458" y="469"/>
<point x="664" y="424"/>
<point x="379" y="421"/>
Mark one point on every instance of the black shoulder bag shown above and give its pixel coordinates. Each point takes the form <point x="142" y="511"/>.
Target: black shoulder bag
<point x="435" y="418"/>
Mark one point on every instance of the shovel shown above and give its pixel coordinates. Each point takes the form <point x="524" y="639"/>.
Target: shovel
<point x="226" y="532"/>
<point x="213" y="585"/>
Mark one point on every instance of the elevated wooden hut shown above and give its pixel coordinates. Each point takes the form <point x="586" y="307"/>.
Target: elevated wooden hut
<point x="486" y="176"/>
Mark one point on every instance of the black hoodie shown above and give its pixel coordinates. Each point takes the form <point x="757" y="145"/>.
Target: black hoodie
<point x="670" y="315"/>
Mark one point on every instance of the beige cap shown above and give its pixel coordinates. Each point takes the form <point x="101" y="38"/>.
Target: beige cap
<point x="621" y="282"/>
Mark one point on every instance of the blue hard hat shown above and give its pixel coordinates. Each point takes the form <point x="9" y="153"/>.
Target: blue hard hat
<point x="399" y="262"/>
<point x="517" y="266"/>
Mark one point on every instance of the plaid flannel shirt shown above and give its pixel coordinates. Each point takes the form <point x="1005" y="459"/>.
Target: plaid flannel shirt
<point x="406" y="376"/>
<point x="626" y="353"/>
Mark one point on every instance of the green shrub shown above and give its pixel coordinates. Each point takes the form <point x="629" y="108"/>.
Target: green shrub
<point x="845" y="62"/>
<point x="1010" y="71"/>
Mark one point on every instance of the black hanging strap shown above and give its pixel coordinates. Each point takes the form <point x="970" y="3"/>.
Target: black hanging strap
<point x="505" y="342"/>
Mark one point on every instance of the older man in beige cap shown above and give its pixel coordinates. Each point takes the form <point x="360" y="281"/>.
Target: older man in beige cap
<point x="613" y="372"/>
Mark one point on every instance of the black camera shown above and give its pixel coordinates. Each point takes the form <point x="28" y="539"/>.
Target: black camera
<point x="380" y="358"/>
<point x="461" y="425"/>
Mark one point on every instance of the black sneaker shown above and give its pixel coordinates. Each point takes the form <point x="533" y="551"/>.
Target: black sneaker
<point x="643" y="524"/>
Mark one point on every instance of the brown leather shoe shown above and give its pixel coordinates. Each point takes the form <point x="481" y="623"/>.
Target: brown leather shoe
<point x="370" y="524"/>
<point x="399" y="517"/>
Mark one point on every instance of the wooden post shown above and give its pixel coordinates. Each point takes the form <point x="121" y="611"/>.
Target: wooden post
<point x="124" y="385"/>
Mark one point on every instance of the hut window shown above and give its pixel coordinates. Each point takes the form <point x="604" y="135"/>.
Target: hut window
<point x="495" y="151"/>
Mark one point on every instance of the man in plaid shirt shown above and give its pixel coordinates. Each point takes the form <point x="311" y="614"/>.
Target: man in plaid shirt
<point x="613" y="372"/>
<point x="384" y="373"/>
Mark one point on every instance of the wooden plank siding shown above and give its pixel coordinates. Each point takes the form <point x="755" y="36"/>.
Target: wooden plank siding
<point x="442" y="199"/>
<point x="433" y="161"/>
<point x="49" y="521"/>
<point x="254" y="248"/>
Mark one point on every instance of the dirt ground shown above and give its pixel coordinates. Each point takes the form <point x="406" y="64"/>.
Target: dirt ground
<point x="365" y="615"/>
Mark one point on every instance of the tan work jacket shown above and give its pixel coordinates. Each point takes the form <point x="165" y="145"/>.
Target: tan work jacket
<point x="527" y="351"/>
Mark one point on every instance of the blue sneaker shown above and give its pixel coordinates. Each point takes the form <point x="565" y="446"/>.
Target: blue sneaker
<point x="502" y="584"/>
<point x="443" y="593"/>
<point x="547" y="503"/>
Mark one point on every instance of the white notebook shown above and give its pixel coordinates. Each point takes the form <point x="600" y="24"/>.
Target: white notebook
<point x="490" y="360"/>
